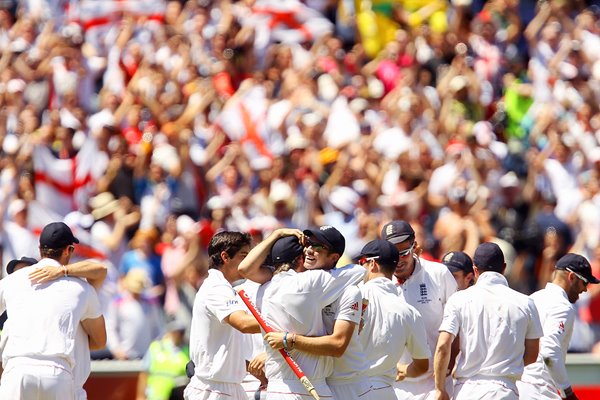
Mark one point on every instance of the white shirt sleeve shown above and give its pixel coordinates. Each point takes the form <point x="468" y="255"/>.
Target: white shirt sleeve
<point x="93" y="309"/>
<point x="2" y="301"/>
<point x="534" y="328"/>
<point x="450" y="321"/>
<point x="222" y="301"/>
<point x="558" y="328"/>
<point x="416" y="342"/>
<point x="328" y="286"/>
<point x="449" y="286"/>
<point x="350" y="307"/>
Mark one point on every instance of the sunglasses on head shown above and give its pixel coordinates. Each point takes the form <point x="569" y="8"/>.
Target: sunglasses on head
<point x="365" y="260"/>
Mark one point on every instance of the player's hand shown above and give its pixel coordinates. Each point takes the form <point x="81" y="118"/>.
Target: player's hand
<point x="283" y="232"/>
<point x="441" y="395"/>
<point x="275" y="339"/>
<point x="257" y="364"/>
<point x="401" y="372"/>
<point x="45" y="274"/>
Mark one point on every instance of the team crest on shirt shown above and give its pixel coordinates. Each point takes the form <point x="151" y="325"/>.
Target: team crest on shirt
<point x="424" y="296"/>
<point x="354" y="306"/>
<point x="361" y="325"/>
<point x="561" y="327"/>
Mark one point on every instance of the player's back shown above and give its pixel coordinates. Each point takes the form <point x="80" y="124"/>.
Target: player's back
<point x="43" y="318"/>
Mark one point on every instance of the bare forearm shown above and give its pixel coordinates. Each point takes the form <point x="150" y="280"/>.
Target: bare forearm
<point x="440" y="365"/>
<point x="94" y="272"/>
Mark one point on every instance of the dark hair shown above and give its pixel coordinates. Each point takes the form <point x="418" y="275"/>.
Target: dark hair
<point x="55" y="254"/>
<point x="387" y="269"/>
<point x="229" y="242"/>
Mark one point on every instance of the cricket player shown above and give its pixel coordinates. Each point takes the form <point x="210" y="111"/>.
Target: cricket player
<point x="547" y="377"/>
<point x="498" y="329"/>
<point x="390" y="326"/>
<point x="460" y="266"/>
<point x="39" y="354"/>
<point x="426" y="286"/>
<point x="292" y="304"/>
<point x="219" y="320"/>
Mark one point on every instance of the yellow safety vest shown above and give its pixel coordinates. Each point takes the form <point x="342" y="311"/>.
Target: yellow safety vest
<point x="167" y="369"/>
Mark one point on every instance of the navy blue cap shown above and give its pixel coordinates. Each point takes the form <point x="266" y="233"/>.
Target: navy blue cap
<point x="10" y="267"/>
<point x="385" y="251"/>
<point x="328" y="236"/>
<point x="397" y="232"/>
<point x="489" y="257"/>
<point x="458" y="261"/>
<point x="285" y="250"/>
<point x="578" y="264"/>
<point x="57" y="235"/>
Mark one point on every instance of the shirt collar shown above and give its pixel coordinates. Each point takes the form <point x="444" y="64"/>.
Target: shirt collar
<point x="557" y="289"/>
<point x="383" y="283"/>
<point x="491" y="278"/>
<point x="416" y="270"/>
<point x="48" y="262"/>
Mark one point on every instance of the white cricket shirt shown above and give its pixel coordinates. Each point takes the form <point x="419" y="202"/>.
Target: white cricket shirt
<point x="557" y="316"/>
<point x="44" y="318"/>
<point x="217" y="348"/>
<point x="294" y="302"/>
<point x="493" y="322"/>
<point x="390" y="326"/>
<point x="427" y="289"/>
<point x="348" y="307"/>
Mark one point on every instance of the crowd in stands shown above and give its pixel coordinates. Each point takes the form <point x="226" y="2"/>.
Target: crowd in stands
<point x="148" y="126"/>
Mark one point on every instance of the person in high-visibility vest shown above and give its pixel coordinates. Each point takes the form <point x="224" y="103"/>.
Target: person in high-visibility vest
<point x="164" y="366"/>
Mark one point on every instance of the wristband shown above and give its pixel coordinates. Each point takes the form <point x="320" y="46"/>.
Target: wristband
<point x="285" y="341"/>
<point x="65" y="271"/>
<point x="568" y="391"/>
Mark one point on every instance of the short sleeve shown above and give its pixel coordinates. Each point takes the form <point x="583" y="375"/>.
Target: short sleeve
<point x="350" y="305"/>
<point x="93" y="309"/>
<point x="2" y="299"/>
<point x="222" y="301"/>
<point x="449" y="285"/>
<point x="534" y="328"/>
<point x="450" y="321"/>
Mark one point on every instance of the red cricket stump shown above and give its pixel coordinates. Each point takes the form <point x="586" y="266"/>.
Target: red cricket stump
<point x="293" y="365"/>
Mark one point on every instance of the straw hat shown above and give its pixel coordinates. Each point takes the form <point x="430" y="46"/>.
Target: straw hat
<point x="103" y="205"/>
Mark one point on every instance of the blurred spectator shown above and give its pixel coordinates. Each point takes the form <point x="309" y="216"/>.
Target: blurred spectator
<point x="474" y="120"/>
<point x="133" y="321"/>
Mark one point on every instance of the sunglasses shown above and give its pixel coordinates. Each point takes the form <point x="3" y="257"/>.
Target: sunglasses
<point x="582" y="278"/>
<point x="316" y="246"/>
<point x="406" y="252"/>
<point x="365" y="260"/>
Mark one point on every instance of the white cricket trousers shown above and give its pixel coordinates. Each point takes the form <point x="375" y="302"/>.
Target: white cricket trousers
<point x="481" y="388"/>
<point x="251" y="386"/>
<point x="351" y="389"/>
<point x="26" y="379"/>
<point x="537" y="391"/>
<point x="204" y="389"/>
<point x="421" y="389"/>
<point x="294" y="390"/>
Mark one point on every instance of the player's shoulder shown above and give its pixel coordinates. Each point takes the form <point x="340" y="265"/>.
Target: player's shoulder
<point x="436" y="270"/>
